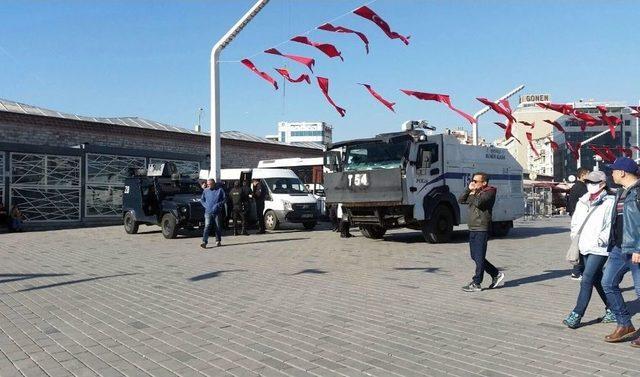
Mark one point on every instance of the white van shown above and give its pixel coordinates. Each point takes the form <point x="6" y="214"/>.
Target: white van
<point x="287" y="200"/>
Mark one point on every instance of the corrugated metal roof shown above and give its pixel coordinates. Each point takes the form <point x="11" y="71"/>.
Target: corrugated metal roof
<point x="135" y="122"/>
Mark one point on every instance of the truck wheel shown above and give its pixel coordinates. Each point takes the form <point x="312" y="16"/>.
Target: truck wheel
<point x="169" y="228"/>
<point x="440" y="227"/>
<point x="130" y="224"/>
<point x="309" y="225"/>
<point x="501" y="228"/>
<point x="271" y="220"/>
<point x="375" y="232"/>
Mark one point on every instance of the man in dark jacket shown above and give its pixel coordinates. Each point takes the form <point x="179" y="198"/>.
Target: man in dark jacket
<point x="480" y="198"/>
<point x="259" y="195"/>
<point x="624" y="248"/>
<point x="212" y="200"/>
<point x="575" y="193"/>
<point x="240" y="200"/>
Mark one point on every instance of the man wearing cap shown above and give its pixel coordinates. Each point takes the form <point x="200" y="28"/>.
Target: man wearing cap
<point x="625" y="247"/>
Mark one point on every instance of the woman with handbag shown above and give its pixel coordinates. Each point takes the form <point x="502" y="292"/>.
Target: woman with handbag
<point x="590" y="232"/>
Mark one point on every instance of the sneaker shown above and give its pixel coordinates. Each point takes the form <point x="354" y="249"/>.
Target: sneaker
<point x="609" y="317"/>
<point x="576" y="277"/>
<point x="218" y="243"/>
<point x="573" y="320"/>
<point x="497" y="280"/>
<point x="203" y="245"/>
<point x="472" y="287"/>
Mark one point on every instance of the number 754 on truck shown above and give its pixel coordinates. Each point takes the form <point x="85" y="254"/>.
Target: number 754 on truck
<point x="412" y="179"/>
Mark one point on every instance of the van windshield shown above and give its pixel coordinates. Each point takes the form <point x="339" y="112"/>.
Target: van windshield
<point x="286" y="186"/>
<point x="369" y="156"/>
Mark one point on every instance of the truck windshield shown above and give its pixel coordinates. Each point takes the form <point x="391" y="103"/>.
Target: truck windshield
<point x="375" y="156"/>
<point x="286" y="186"/>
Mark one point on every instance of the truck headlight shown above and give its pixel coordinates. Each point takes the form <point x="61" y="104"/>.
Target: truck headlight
<point x="183" y="209"/>
<point x="287" y="205"/>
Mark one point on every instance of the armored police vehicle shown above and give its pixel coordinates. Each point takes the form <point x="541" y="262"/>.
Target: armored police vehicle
<point x="162" y="197"/>
<point x="411" y="179"/>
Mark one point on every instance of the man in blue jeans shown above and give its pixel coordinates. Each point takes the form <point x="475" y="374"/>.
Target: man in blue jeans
<point x="625" y="249"/>
<point x="480" y="197"/>
<point x="213" y="198"/>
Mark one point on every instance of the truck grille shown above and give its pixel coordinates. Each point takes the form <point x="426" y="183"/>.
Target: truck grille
<point x="304" y="207"/>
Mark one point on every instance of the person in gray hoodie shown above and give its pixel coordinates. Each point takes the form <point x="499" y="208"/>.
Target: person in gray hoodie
<point x="480" y="197"/>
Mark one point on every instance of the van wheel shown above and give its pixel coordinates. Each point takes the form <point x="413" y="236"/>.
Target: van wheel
<point x="169" y="228"/>
<point x="271" y="220"/>
<point x="375" y="232"/>
<point x="440" y="227"/>
<point x="130" y="224"/>
<point x="501" y="228"/>
<point x="309" y="225"/>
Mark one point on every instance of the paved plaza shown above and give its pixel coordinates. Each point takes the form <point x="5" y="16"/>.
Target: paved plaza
<point x="99" y="302"/>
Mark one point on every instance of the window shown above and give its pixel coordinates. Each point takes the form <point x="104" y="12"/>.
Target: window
<point x="283" y="136"/>
<point x="307" y="133"/>
<point x="427" y="155"/>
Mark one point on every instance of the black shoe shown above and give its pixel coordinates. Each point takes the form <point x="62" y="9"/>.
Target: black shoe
<point x="203" y="245"/>
<point x="348" y="235"/>
<point x="472" y="287"/>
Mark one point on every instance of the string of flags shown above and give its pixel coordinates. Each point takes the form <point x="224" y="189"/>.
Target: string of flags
<point x="501" y="107"/>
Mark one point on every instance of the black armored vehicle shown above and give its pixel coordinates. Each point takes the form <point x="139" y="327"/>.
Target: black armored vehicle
<point x="160" y="196"/>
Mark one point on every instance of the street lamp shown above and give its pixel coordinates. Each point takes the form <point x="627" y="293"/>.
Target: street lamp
<point x="579" y="162"/>
<point x="214" y="169"/>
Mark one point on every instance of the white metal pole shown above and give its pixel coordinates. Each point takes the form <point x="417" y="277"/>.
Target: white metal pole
<point x="474" y="127"/>
<point x="592" y="138"/>
<point x="214" y="168"/>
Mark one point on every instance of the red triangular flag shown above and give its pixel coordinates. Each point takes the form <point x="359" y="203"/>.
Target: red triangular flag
<point x="561" y="108"/>
<point x="575" y="150"/>
<point x="326" y="48"/>
<point x="587" y="120"/>
<point x="388" y="104"/>
<point x="533" y="148"/>
<point x="507" y="130"/>
<point x="323" y="83"/>
<point x="264" y="75"/>
<point x="285" y="74"/>
<point x="555" y="124"/>
<point x="442" y="98"/>
<point x="554" y="145"/>
<point x="497" y="108"/>
<point x="366" y="12"/>
<point x="340" y="29"/>
<point x="309" y="62"/>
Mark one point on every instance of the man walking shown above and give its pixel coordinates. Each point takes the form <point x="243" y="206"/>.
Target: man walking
<point x="259" y="195"/>
<point x="212" y="200"/>
<point x="625" y="250"/>
<point x="480" y="198"/>
<point x="240" y="199"/>
<point x="575" y="193"/>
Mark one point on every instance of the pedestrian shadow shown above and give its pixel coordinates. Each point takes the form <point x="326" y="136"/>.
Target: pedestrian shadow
<point x="458" y="236"/>
<point x="267" y="241"/>
<point x="211" y="275"/>
<point x="73" y="282"/>
<point x="429" y="270"/>
<point x="310" y="271"/>
<point x="8" y="278"/>
<point x="546" y="275"/>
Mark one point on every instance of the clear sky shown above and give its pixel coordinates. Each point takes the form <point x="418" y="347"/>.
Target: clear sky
<point x="151" y="58"/>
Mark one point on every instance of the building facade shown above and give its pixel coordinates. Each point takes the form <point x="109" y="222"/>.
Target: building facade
<point x="303" y="132"/>
<point x="67" y="170"/>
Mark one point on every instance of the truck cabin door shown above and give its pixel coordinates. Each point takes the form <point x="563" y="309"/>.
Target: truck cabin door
<point x="428" y="164"/>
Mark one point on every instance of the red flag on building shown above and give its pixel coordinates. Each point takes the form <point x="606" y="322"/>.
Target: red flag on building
<point x="309" y="62"/>
<point x="555" y="124"/>
<point x="366" y="12"/>
<point x="323" y="83"/>
<point x="586" y="119"/>
<point x="533" y="148"/>
<point x="442" y="98"/>
<point x="264" y="75"/>
<point x="326" y="48"/>
<point x="610" y="121"/>
<point x="341" y="29"/>
<point x="553" y="144"/>
<point x="377" y="96"/>
<point x="285" y="73"/>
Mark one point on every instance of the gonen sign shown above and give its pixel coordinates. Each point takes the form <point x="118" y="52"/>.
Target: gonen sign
<point x="535" y="98"/>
